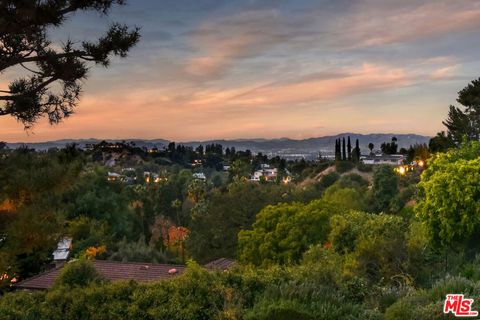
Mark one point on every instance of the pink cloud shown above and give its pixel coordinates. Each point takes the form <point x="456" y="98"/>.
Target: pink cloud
<point x="367" y="78"/>
<point x="372" y="26"/>
<point x="220" y="42"/>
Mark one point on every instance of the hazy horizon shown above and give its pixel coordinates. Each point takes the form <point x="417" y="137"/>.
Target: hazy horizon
<point x="219" y="138"/>
<point x="227" y="69"/>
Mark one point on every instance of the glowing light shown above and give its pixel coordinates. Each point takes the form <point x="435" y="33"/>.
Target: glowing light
<point x="401" y="170"/>
<point x="421" y="163"/>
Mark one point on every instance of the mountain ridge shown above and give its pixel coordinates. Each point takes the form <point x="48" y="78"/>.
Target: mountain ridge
<point x="308" y="148"/>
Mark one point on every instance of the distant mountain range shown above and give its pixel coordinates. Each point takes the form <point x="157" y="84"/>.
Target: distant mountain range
<point x="289" y="148"/>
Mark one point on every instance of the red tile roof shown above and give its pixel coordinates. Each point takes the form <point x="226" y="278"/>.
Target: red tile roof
<point x="41" y="281"/>
<point x="111" y="270"/>
<point x="221" y="264"/>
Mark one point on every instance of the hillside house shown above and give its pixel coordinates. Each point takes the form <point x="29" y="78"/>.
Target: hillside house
<point x="268" y="174"/>
<point x="199" y="175"/>
<point x="117" y="271"/>
<point x="390" y="159"/>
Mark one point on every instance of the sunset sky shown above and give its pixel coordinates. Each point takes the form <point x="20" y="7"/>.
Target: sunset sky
<point x="209" y="69"/>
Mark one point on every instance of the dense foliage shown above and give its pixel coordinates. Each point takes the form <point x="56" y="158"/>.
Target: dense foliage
<point x="450" y="193"/>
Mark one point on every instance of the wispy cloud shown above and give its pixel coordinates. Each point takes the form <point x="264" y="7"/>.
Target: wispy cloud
<point x="219" y="43"/>
<point x="374" y="23"/>
<point x="213" y="68"/>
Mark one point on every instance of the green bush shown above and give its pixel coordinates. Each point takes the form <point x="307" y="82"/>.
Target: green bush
<point x="282" y="233"/>
<point x="352" y="180"/>
<point x="385" y="187"/>
<point x="452" y="284"/>
<point x="21" y="305"/>
<point x="344" y="166"/>
<point x="78" y="273"/>
<point x="364" y="167"/>
<point x="329" y="179"/>
<point x="279" y="310"/>
<point x="449" y="196"/>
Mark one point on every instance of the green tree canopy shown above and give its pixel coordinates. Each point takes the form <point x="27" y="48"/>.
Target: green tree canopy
<point x="282" y="233"/>
<point x="217" y="221"/>
<point x="450" y="195"/>
<point x="385" y="187"/>
<point x="78" y="273"/>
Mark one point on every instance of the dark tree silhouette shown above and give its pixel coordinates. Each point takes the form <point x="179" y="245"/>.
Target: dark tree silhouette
<point x="356" y="151"/>
<point x="390" y="147"/>
<point x="349" y="149"/>
<point x="344" y="153"/>
<point x="338" y="152"/>
<point x="371" y="146"/>
<point x="464" y="122"/>
<point x="52" y="85"/>
<point x="441" y="142"/>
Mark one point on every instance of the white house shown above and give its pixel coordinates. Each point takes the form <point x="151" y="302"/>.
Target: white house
<point x="199" y="175"/>
<point x="391" y="159"/>
<point x="267" y="173"/>
<point x="113" y="176"/>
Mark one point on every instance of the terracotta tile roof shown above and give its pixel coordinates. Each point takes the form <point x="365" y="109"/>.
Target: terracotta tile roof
<point x="139" y="271"/>
<point x="220" y="264"/>
<point x="111" y="270"/>
<point x="40" y="281"/>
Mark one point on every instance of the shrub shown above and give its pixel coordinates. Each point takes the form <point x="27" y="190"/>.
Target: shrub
<point x="78" y="273"/>
<point x="352" y="180"/>
<point x="416" y="306"/>
<point x="329" y="179"/>
<point x="451" y="284"/>
<point x="282" y="233"/>
<point x="385" y="187"/>
<point x="364" y="167"/>
<point x="279" y="310"/>
<point x="138" y="252"/>
<point x="449" y="195"/>
<point x="344" y="166"/>
<point x="21" y="305"/>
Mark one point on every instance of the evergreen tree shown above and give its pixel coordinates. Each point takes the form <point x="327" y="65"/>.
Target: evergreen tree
<point x="344" y="152"/>
<point x="337" y="150"/>
<point x="441" y="142"/>
<point x="465" y="121"/>
<point x="51" y="85"/>
<point x="356" y="151"/>
<point x="200" y="150"/>
<point x="390" y="147"/>
<point x="349" y="149"/>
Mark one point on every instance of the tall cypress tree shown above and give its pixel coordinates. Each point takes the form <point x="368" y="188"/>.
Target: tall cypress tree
<point x="344" y="152"/>
<point x="349" y="149"/>
<point x="337" y="150"/>
<point x="356" y="151"/>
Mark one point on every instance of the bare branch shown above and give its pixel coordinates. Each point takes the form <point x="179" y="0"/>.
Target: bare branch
<point x="31" y="70"/>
